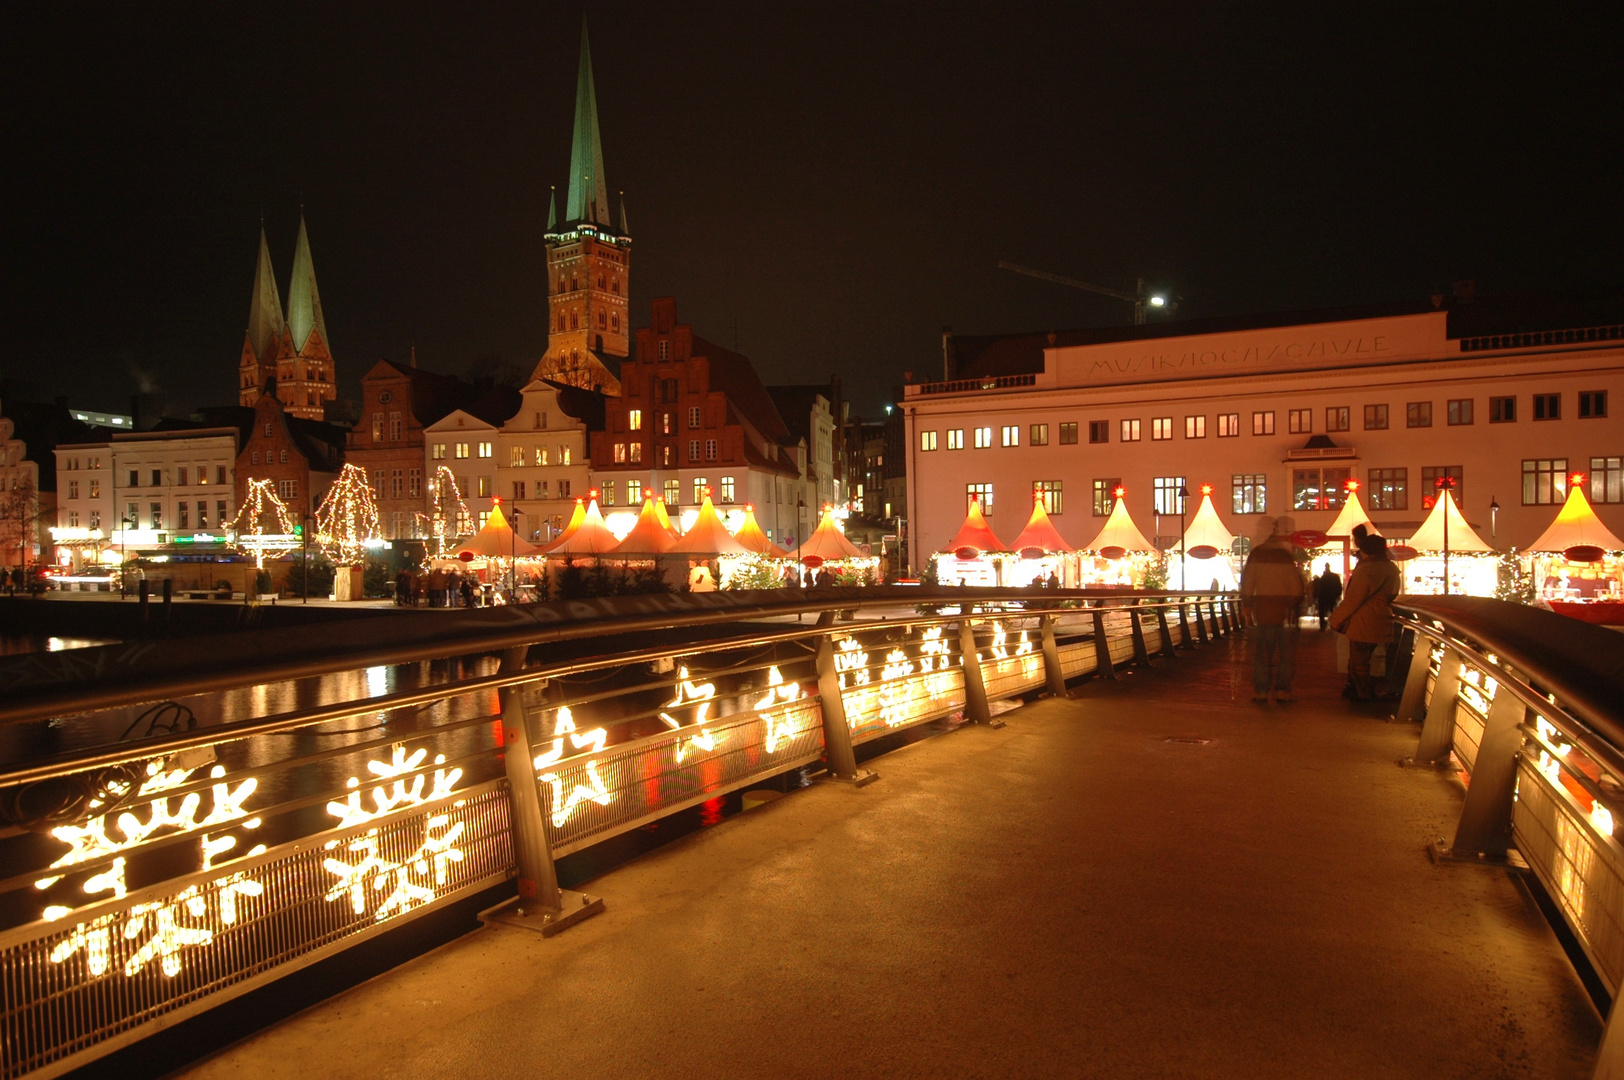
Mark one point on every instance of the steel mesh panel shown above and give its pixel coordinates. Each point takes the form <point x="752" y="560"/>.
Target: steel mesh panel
<point x="1077" y="658"/>
<point x="70" y="988"/>
<point x="873" y="710"/>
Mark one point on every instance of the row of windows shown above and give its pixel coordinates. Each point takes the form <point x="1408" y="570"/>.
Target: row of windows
<point x="184" y="518"/>
<point x="396" y="427"/>
<point x="74" y="464"/>
<point x="183" y="476"/>
<point x="575" y="284"/>
<point x="461" y="450"/>
<point x="402" y="484"/>
<point x="698" y="450"/>
<point x="613" y="322"/>
<point x="672" y="492"/>
<point x="543" y="489"/>
<point x="1418" y="414"/>
<point x="667" y="422"/>
<point x="1544" y="481"/>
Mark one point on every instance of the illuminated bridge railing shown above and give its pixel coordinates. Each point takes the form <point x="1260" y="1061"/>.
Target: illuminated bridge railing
<point x="1530" y="705"/>
<point x="210" y="823"/>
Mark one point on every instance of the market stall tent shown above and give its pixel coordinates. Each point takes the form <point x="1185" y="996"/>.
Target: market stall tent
<point x="648" y="536"/>
<point x="975" y="534"/>
<point x="708" y="536"/>
<point x="577" y="516"/>
<point x="1119" y="532"/>
<point x="1576" y="526"/>
<point x="590" y="537"/>
<point x="827" y="543"/>
<point x="1207" y="550"/>
<point x="664" y="517"/>
<point x="1353" y="513"/>
<point x="496" y="540"/>
<point x="1040" y="533"/>
<point x="754" y="539"/>
<point x="1462" y="538"/>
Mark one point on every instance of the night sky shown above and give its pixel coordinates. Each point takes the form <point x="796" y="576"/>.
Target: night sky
<point x="832" y="183"/>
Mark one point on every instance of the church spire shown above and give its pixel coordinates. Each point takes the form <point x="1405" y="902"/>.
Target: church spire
<point x="304" y="302"/>
<point x="265" y="308"/>
<point x="588" y="198"/>
<point x="625" y="230"/>
<point x="552" y="209"/>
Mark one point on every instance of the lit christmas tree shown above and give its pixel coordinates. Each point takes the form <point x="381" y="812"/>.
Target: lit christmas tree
<point x="263" y="525"/>
<point x="347" y="517"/>
<point x="449" y="520"/>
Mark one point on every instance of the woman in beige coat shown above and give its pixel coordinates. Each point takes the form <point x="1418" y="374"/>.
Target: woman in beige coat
<point x="1366" y="613"/>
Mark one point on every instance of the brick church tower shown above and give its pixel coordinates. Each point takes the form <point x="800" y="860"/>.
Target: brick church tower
<point x="293" y="349"/>
<point x="588" y="261"/>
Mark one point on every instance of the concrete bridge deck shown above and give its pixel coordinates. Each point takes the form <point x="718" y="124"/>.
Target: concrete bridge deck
<point x="1070" y="895"/>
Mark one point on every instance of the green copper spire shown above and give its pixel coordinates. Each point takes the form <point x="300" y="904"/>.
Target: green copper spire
<point x="265" y="309"/>
<point x="552" y="210"/>
<point x="588" y="196"/>
<point x="304" y="302"/>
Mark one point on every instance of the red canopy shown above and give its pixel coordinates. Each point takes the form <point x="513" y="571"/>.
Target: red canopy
<point x="975" y="533"/>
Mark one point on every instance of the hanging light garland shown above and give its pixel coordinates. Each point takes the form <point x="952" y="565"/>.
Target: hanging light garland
<point x="450" y="520"/>
<point x="249" y="524"/>
<point x="347" y="517"/>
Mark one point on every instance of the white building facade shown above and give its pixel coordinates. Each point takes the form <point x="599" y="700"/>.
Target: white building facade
<point x="541" y="458"/>
<point x="1277" y="419"/>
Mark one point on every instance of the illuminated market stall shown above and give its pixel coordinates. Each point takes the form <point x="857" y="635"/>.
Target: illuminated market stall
<point x="1340" y="534"/>
<point x="1119" y="554"/>
<point x="1447" y="545"/>
<point x="1578" y="564"/>
<point x="586" y="535"/>
<point x="495" y="547"/>
<point x="706" y="543"/>
<point x="1042" y="555"/>
<point x="975" y="555"/>
<point x="829" y="552"/>
<point x="1206" y="552"/>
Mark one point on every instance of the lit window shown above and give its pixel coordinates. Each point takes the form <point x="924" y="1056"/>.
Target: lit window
<point x="1161" y="427"/>
<point x="1606" y="479"/>
<point x="981" y="493"/>
<point x="462" y="450"/>
<point x="636" y="450"/>
<point x="620" y="453"/>
<point x="1050" y="494"/>
<point x="634" y="419"/>
<point x="608" y="493"/>
<point x="1011" y="435"/>
<point x="541" y="455"/>
<point x="1300" y="421"/>
<point x="983" y="437"/>
<point x="727" y="489"/>
<point x="1318" y="489"/>
<point x="1263" y="423"/>
<point x="927" y="440"/>
<point x="955" y="439"/>
<point x="518" y="457"/>
<point x="1388" y="489"/>
<point x="1195" y="427"/>
<point x="1105" y="490"/>
<point x="437" y="453"/>
<point x="634" y="492"/>
<point x="563" y="455"/>
<point x="1130" y="431"/>
<point x="484" y="487"/>
<point x="1545" y="481"/>
<point x="485" y="449"/>
<point x="1250" y="493"/>
<point x="699" y="489"/>
<point x="1169" y="499"/>
<point x="1068" y="434"/>
<point x="1229" y="425"/>
<point x="673" y="492"/>
<point x="1038" y="435"/>
<point x="1435" y="478"/>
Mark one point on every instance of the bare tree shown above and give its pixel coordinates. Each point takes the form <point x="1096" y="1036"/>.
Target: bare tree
<point x="20" y="515"/>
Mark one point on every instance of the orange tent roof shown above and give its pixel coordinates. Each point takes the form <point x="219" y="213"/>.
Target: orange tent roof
<point x="753" y="539"/>
<point x="590" y="537"/>
<point x="1040" y="532"/>
<point x="1120" y="531"/>
<point x="1576" y="526"/>
<point x="827" y="542"/>
<point x="576" y="518"/>
<point x="648" y="536"/>
<point x="707" y="535"/>
<point x="496" y="539"/>
<point x="975" y="533"/>
<point x="665" y="518"/>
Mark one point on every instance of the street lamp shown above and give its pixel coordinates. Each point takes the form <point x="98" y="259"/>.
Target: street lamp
<point x="1184" y="564"/>
<point x="123" y="553"/>
<point x="513" y="555"/>
<point x="304" y="558"/>
<point x="1494" y="519"/>
<point x="800" y="524"/>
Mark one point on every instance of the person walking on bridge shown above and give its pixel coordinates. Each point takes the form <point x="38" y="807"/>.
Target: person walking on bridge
<point x="1366" y="613"/>
<point x="1272" y="591"/>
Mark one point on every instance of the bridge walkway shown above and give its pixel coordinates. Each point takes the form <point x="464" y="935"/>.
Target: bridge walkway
<point x="1155" y="878"/>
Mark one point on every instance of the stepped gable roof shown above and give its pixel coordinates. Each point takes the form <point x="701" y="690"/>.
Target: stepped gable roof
<point x="736" y="376"/>
<point x="42" y="427"/>
<point x="648" y="536"/>
<point x="434" y="396"/>
<point x="587" y="406"/>
<point x="707" y="535"/>
<point x="751" y="536"/>
<point x="975" y="533"/>
<point x="1120" y="531"/>
<point x="1040" y="532"/>
<point x="495" y="540"/>
<point x="1462" y="537"/>
<point x="1576" y="525"/>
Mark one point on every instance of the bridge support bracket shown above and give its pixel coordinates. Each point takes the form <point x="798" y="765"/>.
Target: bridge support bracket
<point x="1445" y="764"/>
<point x="1442" y="855"/>
<point x="861" y="778"/>
<point x="532" y="915"/>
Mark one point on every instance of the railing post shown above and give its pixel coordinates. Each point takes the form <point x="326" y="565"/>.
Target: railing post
<point x="541" y="904"/>
<point x="1184" y="624"/>
<point x="1165" y="632"/>
<point x="1054" y="675"/>
<point x="1412" y="704"/>
<point x="1200" y="623"/>
<point x="837" y="748"/>
<point x="975" y="687"/>
<point x="1141" y="653"/>
<point x="1438" y="731"/>
<point x="1212" y="613"/>
<point x="1484" y="829"/>
<point x="1610" y="1057"/>
<point x="1102" y="647"/>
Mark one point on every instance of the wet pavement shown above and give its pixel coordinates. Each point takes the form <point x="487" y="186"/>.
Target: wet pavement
<point x="1157" y="878"/>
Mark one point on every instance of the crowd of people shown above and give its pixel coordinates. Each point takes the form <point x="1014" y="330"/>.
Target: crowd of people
<point x="436" y="588"/>
<point x="1275" y="593"/>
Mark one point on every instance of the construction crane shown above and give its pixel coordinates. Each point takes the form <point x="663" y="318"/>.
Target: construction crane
<point x="1139" y="299"/>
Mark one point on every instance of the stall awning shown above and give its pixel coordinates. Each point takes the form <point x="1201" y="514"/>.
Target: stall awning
<point x="975" y="533"/>
<point x="1120" y="532"/>
<point x="1576" y="525"/>
<point x="707" y="535"/>
<point x="590" y="537"/>
<point x="1430" y="536"/>
<point x="496" y="540"/>
<point x="1207" y="528"/>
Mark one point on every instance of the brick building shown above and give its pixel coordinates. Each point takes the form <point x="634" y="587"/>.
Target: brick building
<point x="293" y="350"/>
<point x="397" y="403"/>
<point x="302" y="456"/>
<point x="693" y="415"/>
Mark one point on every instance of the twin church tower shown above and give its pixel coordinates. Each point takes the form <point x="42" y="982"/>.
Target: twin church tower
<point x="588" y="288"/>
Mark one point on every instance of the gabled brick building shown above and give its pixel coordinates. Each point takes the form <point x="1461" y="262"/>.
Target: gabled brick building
<point x="302" y="456"/>
<point x="397" y="403"/>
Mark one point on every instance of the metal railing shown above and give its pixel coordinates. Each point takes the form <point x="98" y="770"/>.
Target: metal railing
<point x="1531" y="706"/>
<point x="284" y="805"/>
<point x="986" y="382"/>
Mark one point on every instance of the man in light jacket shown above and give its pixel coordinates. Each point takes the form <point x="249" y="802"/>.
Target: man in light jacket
<point x="1272" y="591"/>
